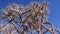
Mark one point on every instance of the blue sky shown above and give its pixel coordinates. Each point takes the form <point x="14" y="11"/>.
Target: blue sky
<point x="54" y="7"/>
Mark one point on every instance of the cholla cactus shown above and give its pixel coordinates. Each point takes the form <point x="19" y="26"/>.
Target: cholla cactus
<point x="29" y="19"/>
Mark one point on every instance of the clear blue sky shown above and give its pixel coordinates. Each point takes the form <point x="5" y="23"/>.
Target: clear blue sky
<point x="54" y="6"/>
